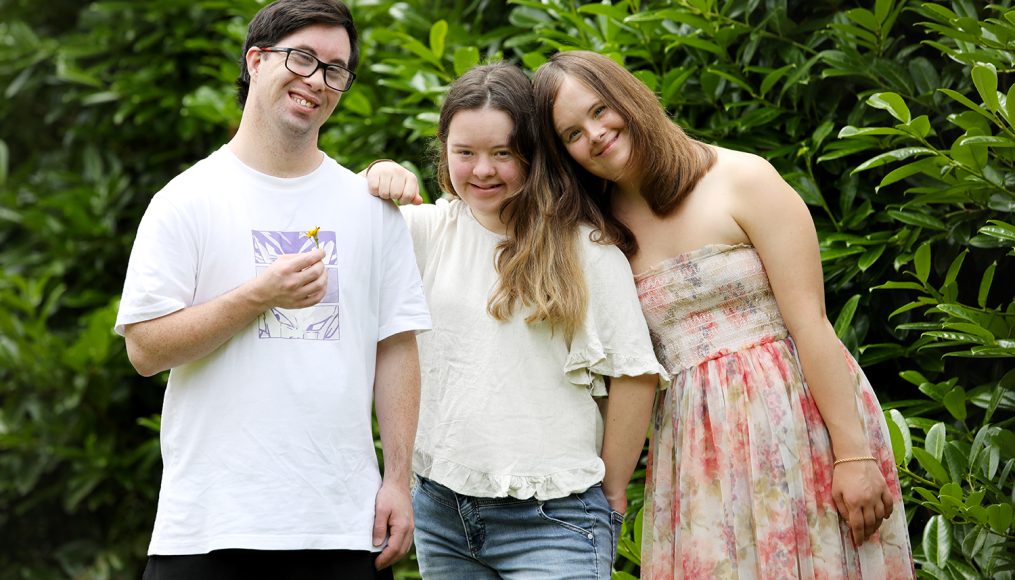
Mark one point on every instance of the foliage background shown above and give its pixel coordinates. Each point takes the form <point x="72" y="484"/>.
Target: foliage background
<point x="892" y="118"/>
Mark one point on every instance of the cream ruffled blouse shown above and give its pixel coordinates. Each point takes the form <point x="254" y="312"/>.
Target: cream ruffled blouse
<point x="508" y="408"/>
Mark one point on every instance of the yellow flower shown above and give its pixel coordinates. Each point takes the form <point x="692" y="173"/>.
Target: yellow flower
<point x="312" y="234"/>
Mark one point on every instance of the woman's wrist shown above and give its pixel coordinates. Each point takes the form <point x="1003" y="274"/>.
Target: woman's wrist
<point x="854" y="459"/>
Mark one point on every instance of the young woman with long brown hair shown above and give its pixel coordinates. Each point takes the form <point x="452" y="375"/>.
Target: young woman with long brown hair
<point x="770" y="457"/>
<point x="517" y="475"/>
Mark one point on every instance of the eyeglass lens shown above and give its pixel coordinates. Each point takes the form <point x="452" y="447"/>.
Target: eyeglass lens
<point x="305" y="65"/>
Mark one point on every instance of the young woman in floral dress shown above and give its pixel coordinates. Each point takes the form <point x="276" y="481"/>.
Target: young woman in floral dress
<point x="770" y="457"/>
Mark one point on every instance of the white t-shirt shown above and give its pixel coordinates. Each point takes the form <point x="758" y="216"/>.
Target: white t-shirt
<point x="267" y="442"/>
<point x="507" y="408"/>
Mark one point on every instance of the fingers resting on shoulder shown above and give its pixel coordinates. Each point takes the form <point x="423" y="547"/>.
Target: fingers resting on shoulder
<point x="389" y="180"/>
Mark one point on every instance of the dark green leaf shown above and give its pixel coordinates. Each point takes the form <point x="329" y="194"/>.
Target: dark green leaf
<point x="935" y="441"/>
<point x="466" y="57"/>
<point x="985" y="79"/>
<point x="845" y="317"/>
<point x="955" y="402"/>
<point x="921" y="259"/>
<point x="891" y="156"/>
<point x="1000" y="517"/>
<point x="917" y="219"/>
<point x="965" y="101"/>
<point x="869" y="257"/>
<point x="773" y="77"/>
<point x="892" y="103"/>
<point x="902" y="443"/>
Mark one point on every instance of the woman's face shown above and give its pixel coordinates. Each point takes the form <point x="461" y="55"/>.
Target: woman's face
<point x="483" y="169"/>
<point x="595" y="135"/>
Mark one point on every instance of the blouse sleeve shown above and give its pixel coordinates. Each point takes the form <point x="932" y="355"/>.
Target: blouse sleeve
<point x="614" y="340"/>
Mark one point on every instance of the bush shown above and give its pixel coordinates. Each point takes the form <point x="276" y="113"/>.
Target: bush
<point x="893" y="122"/>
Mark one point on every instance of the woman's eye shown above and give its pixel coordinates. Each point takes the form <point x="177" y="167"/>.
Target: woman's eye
<point x="599" y="111"/>
<point x="571" y="136"/>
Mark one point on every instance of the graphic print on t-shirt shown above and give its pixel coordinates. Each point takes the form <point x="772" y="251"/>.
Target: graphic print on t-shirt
<point x="319" y="322"/>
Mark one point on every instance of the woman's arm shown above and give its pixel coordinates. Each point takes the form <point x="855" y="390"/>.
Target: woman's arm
<point x="779" y="226"/>
<point x="630" y="409"/>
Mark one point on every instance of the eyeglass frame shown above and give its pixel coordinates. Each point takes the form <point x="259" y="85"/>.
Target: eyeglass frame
<point x="320" y="65"/>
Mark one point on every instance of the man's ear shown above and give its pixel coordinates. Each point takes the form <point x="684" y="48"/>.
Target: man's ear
<point x="253" y="58"/>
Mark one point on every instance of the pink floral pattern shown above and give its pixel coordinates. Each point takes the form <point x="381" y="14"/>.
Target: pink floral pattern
<point x="740" y="463"/>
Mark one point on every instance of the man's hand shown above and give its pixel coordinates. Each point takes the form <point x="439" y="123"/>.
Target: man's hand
<point x="393" y="520"/>
<point x="293" y="281"/>
<point x="389" y="180"/>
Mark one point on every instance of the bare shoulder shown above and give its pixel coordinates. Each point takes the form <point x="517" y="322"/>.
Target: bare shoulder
<point x="743" y="169"/>
<point x="738" y="177"/>
<point x="751" y="181"/>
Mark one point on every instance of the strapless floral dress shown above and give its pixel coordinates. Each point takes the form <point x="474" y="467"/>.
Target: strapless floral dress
<point x="740" y="464"/>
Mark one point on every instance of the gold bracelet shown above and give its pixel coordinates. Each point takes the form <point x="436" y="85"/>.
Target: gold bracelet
<point x="850" y="459"/>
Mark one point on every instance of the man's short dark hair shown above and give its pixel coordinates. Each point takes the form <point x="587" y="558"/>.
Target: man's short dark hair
<point x="284" y="17"/>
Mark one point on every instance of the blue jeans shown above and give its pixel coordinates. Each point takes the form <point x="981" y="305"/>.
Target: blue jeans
<point x="460" y="537"/>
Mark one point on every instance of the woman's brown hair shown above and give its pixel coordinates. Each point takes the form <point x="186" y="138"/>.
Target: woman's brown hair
<point x="538" y="263"/>
<point x="670" y="162"/>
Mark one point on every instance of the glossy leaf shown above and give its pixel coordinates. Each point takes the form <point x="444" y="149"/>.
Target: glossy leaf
<point x="931" y="465"/>
<point x="937" y="539"/>
<point x="438" y="34"/>
<point x="922" y="262"/>
<point x="902" y="442"/>
<point x="935" y="442"/>
<point x="845" y="317"/>
<point x="985" y="80"/>
<point x="891" y="102"/>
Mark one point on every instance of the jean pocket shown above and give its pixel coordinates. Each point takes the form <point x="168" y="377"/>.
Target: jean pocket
<point x="570" y="513"/>
<point x="616" y="526"/>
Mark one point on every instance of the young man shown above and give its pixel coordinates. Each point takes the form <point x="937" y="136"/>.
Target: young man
<point x="279" y="337"/>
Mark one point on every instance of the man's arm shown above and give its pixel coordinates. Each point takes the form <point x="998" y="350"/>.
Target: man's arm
<point x="292" y="281"/>
<point x="396" y="395"/>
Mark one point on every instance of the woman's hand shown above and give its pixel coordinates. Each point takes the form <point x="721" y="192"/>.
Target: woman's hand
<point x="389" y="180"/>
<point x="861" y="496"/>
<point x="616" y="498"/>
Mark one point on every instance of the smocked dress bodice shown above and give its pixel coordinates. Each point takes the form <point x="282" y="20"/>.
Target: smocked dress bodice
<point x="708" y="302"/>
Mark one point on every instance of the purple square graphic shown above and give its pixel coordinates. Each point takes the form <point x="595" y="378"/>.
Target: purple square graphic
<point x="318" y="322"/>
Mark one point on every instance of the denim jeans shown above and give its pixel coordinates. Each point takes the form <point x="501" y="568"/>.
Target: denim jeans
<point x="460" y="537"/>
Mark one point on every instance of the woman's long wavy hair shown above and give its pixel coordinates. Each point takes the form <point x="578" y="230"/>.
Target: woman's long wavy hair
<point x="670" y="162"/>
<point x="538" y="263"/>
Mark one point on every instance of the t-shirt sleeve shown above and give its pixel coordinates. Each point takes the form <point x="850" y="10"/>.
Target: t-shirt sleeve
<point x="424" y="220"/>
<point x="161" y="274"/>
<point x="402" y="300"/>
<point x="614" y="340"/>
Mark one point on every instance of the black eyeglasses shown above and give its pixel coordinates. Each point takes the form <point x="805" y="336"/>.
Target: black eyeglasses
<point x="305" y="65"/>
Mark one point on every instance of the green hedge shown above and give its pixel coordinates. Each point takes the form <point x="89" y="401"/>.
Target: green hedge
<point x="891" y="118"/>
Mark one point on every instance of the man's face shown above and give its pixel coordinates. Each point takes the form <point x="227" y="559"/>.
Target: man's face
<point x="296" y="104"/>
